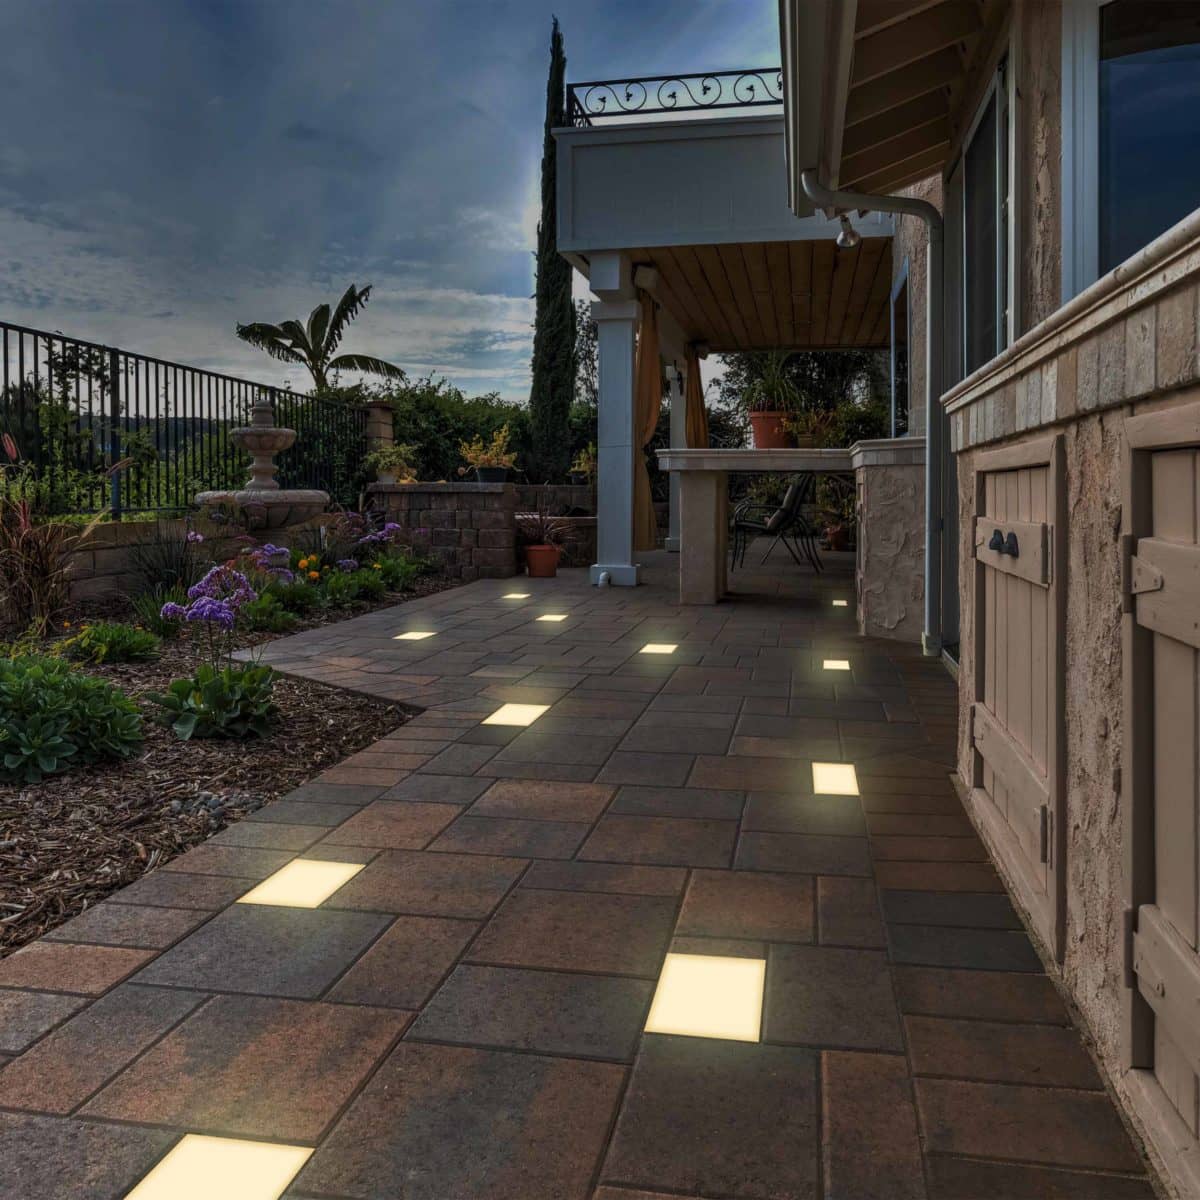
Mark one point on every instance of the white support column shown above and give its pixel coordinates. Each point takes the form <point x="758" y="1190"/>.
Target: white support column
<point x="678" y="441"/>
<point x="616" y="323"/>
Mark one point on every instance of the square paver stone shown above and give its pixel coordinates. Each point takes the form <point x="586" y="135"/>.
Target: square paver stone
<point x="586" y="1016"/>
<point x="437" y="885"/>
<point x="826" y="996"/>
<point x="51" y="1158"/>
<point x="405" y="965"/>
<point x="809" y="854"/>
<point x="174" y="889"/>
<point x="26" y="1016"/>
<point x="439" y="789"/>
<point x="748" y="904"/>
<point x="702" y="803"/>
<point x="705" y="1117"/>
<point x="954" y="1178"/>
<point x="266" y="950"/>
<point x="140" y="926"/>
<point x="446" y="1121"/>
<point x="253" y="1066"/>
<point x="605" y="877"/>
<point x="505" y="835"/>
<point x="665" y="841"/>
<point x="67" y="967"/>
<point x="542" y="800"/>
<point x="393" y="825"/>
<point x="578" y="931"/>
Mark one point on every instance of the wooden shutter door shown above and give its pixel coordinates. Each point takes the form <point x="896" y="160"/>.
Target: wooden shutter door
<point x="1017" y="729"/>
<point x="1162" y="586"/>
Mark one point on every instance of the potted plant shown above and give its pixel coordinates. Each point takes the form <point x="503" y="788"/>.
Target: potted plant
<point x="491" y="460"/>
<point x="813" y="428"/>
<point x="583" y="468"/>
<point x="542" y="535"/>
<point x="769" y="400"/>
<point x="391" y="463"/>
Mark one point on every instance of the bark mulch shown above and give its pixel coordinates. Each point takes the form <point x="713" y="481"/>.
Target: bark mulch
<point x="71" y="840"/>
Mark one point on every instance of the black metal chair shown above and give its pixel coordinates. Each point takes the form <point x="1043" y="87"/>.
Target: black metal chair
<point x="786" y="524"/>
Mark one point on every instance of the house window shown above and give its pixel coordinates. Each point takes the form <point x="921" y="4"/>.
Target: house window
<point x="1130" y="123"/>
<point x="900" y="387"/>
<point x="985" y="231"/>
<point x="1149" y="122"/>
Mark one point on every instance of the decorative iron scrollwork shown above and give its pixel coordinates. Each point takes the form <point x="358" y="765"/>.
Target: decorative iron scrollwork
<point x="606" y="98"/>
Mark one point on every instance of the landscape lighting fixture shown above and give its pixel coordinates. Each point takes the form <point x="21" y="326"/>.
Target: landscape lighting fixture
<point x="658" y="648"/>
<point x="515" y="596"/>
<point x="701" y="995"/>
<point x="201" y="1168"/>
<point x="516" y="714"/>
<point x="414" y="635"/>
<point x="834" y="779"/>
<point x="553" y="617"/>
<point x="303" y="883"/>
<point x="836" y="664"/>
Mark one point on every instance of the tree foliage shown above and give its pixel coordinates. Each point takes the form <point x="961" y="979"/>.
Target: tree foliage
<point x="553" y="386"/>
<point x="314" y="345"/>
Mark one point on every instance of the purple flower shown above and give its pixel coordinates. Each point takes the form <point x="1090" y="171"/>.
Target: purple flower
<point x="347" y="564"/>
<point x="218" y="612"/>
<point x="173" y="612"/>
<point x="225" y="584"/>
<point x="194" y="536"/>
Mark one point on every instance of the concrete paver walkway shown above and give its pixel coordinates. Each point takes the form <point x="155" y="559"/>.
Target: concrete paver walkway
<point x="463" y="1018"/>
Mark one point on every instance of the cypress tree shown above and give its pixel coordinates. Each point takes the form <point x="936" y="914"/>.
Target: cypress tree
<point x="554" y="320"/>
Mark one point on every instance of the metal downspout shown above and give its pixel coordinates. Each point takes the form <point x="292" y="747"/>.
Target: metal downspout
<point x="829" y="198"/>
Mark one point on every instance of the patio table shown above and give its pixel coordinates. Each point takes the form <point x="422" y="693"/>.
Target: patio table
<point x="704" y="506"/>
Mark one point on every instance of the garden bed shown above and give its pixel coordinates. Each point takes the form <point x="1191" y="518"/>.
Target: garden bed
<point x="72" y="839"/>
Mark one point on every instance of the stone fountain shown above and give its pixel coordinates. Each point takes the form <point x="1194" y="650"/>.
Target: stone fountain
<point x="262" y="503"/>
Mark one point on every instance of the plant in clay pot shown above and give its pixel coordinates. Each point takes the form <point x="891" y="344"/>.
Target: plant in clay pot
<point x="814" y="428"/>
<point x="769" y="399"/>
<point x="583" y="468"/>
<point x="542" y="535"/>
<point x="492" y="460"/>
<point x="393" y="464"/>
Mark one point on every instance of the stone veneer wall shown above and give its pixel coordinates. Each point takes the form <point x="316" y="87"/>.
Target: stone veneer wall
<point x="558" y="497"/>
<point x="469" y="528"/>
<point x="1128" y="344"/>
<point x="889" y="478"/>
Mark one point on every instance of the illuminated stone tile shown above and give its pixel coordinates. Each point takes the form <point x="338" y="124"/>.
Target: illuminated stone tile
<point x="841" y="604"/>
<point x="200" y="1168"/>
<point x="515" y="596"/>
<point x="303" y="883"/>
<point x="516" y="714"/>
<point x="700" y="995"/>
<point x="553" y="617"/>
<point x="659" y="648"/>
<point x="415" y="635"/>
<point x="834" y="779"/>
<point x="836" y="664"/>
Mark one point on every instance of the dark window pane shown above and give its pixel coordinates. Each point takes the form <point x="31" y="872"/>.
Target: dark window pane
<point x="1149" y="122"/>
<point x="900" y="397"/>
<point x="982" y="317"/>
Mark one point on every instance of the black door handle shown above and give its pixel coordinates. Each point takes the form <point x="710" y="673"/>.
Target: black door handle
<point x="997" y="542"/>
<point x="1010" y="545"/>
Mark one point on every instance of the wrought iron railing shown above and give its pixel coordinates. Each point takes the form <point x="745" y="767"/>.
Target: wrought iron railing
<point x="604" y="99"/>
<point x="75" y="409"/>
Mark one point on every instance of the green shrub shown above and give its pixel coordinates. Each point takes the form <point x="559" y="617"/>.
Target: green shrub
<point x="397" y="571"/>
<point x="148" y="608"/>
<point x="110" y="641"/>
<point x="266" y="614"/>
<point x="230" y="702"/>
<point x="53" y="718"/>
<point x="341" y="588"/>
<point x="297" y="597"/>
<point x="370" y="585"/>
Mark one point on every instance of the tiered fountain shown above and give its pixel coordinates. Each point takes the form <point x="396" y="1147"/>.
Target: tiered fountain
<point x="262" y="503"/>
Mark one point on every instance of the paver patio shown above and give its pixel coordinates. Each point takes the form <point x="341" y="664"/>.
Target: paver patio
<point x="464" y="1017"/>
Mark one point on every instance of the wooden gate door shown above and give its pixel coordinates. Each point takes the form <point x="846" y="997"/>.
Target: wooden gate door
<point x="1162" y="744"/>
<point x="1016" y="720"/>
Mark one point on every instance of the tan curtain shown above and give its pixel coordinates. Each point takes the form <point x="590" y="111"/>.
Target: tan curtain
<point x="696" y="427"/>
<point x="647" y="400"/>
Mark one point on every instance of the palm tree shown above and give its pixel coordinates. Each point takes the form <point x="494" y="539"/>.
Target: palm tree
<point x="314" y="344"/>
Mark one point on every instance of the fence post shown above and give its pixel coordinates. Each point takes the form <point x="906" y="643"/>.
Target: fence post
<point x="114" y="439"/>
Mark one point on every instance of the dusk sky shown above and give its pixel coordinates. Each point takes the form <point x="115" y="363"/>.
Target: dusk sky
<point x="171" y="167"/>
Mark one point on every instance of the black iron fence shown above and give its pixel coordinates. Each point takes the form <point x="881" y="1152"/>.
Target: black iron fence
<point x="603" y="99"/>
<point x="75" y="409"/>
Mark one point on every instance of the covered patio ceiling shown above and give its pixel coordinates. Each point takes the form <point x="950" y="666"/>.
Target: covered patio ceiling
<point x="775" y="295"/>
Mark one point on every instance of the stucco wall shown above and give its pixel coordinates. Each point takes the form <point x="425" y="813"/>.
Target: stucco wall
<point x="1039" y="157"/>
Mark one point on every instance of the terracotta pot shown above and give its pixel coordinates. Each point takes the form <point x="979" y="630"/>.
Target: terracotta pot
<point x="769" y="431"/>
<point x="839" y="538"/>
<point x="542" y="561"/>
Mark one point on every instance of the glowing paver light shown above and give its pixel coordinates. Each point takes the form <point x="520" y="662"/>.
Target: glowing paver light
<point x="515" y="596"/>
<point x="834" y="779"/>
<point x="516" y="714"/>
<point x="303" y="883"/>
<point x="841" y="604"/>
<point x="201" y="1168"/>
<point x="659" y="648"/>
<point x="553" y="617"/>
<point x="415" y="635"/>
<point x="700" y="995"/>
<point x="836" y="664"/>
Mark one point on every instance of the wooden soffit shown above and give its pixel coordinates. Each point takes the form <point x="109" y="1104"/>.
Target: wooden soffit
<point x="776" y="295"/>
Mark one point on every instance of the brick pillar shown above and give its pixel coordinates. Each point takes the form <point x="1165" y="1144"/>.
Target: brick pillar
<point x="379" y="425"/>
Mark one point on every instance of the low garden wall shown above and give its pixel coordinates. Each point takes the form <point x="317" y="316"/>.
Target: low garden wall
<point x="469" y="528"/>
<point x="557" y="497"/>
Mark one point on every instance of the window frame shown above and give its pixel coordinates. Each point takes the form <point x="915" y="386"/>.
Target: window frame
<point x="899" y="285"/>
<point x="1080" y="146"/>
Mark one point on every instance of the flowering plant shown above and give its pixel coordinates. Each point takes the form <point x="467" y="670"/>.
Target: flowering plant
<point x="494" y="453"/>
<point x="213" y="604"/>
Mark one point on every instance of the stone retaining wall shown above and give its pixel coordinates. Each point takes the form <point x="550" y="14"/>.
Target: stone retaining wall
<point x="470" y="528"/>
